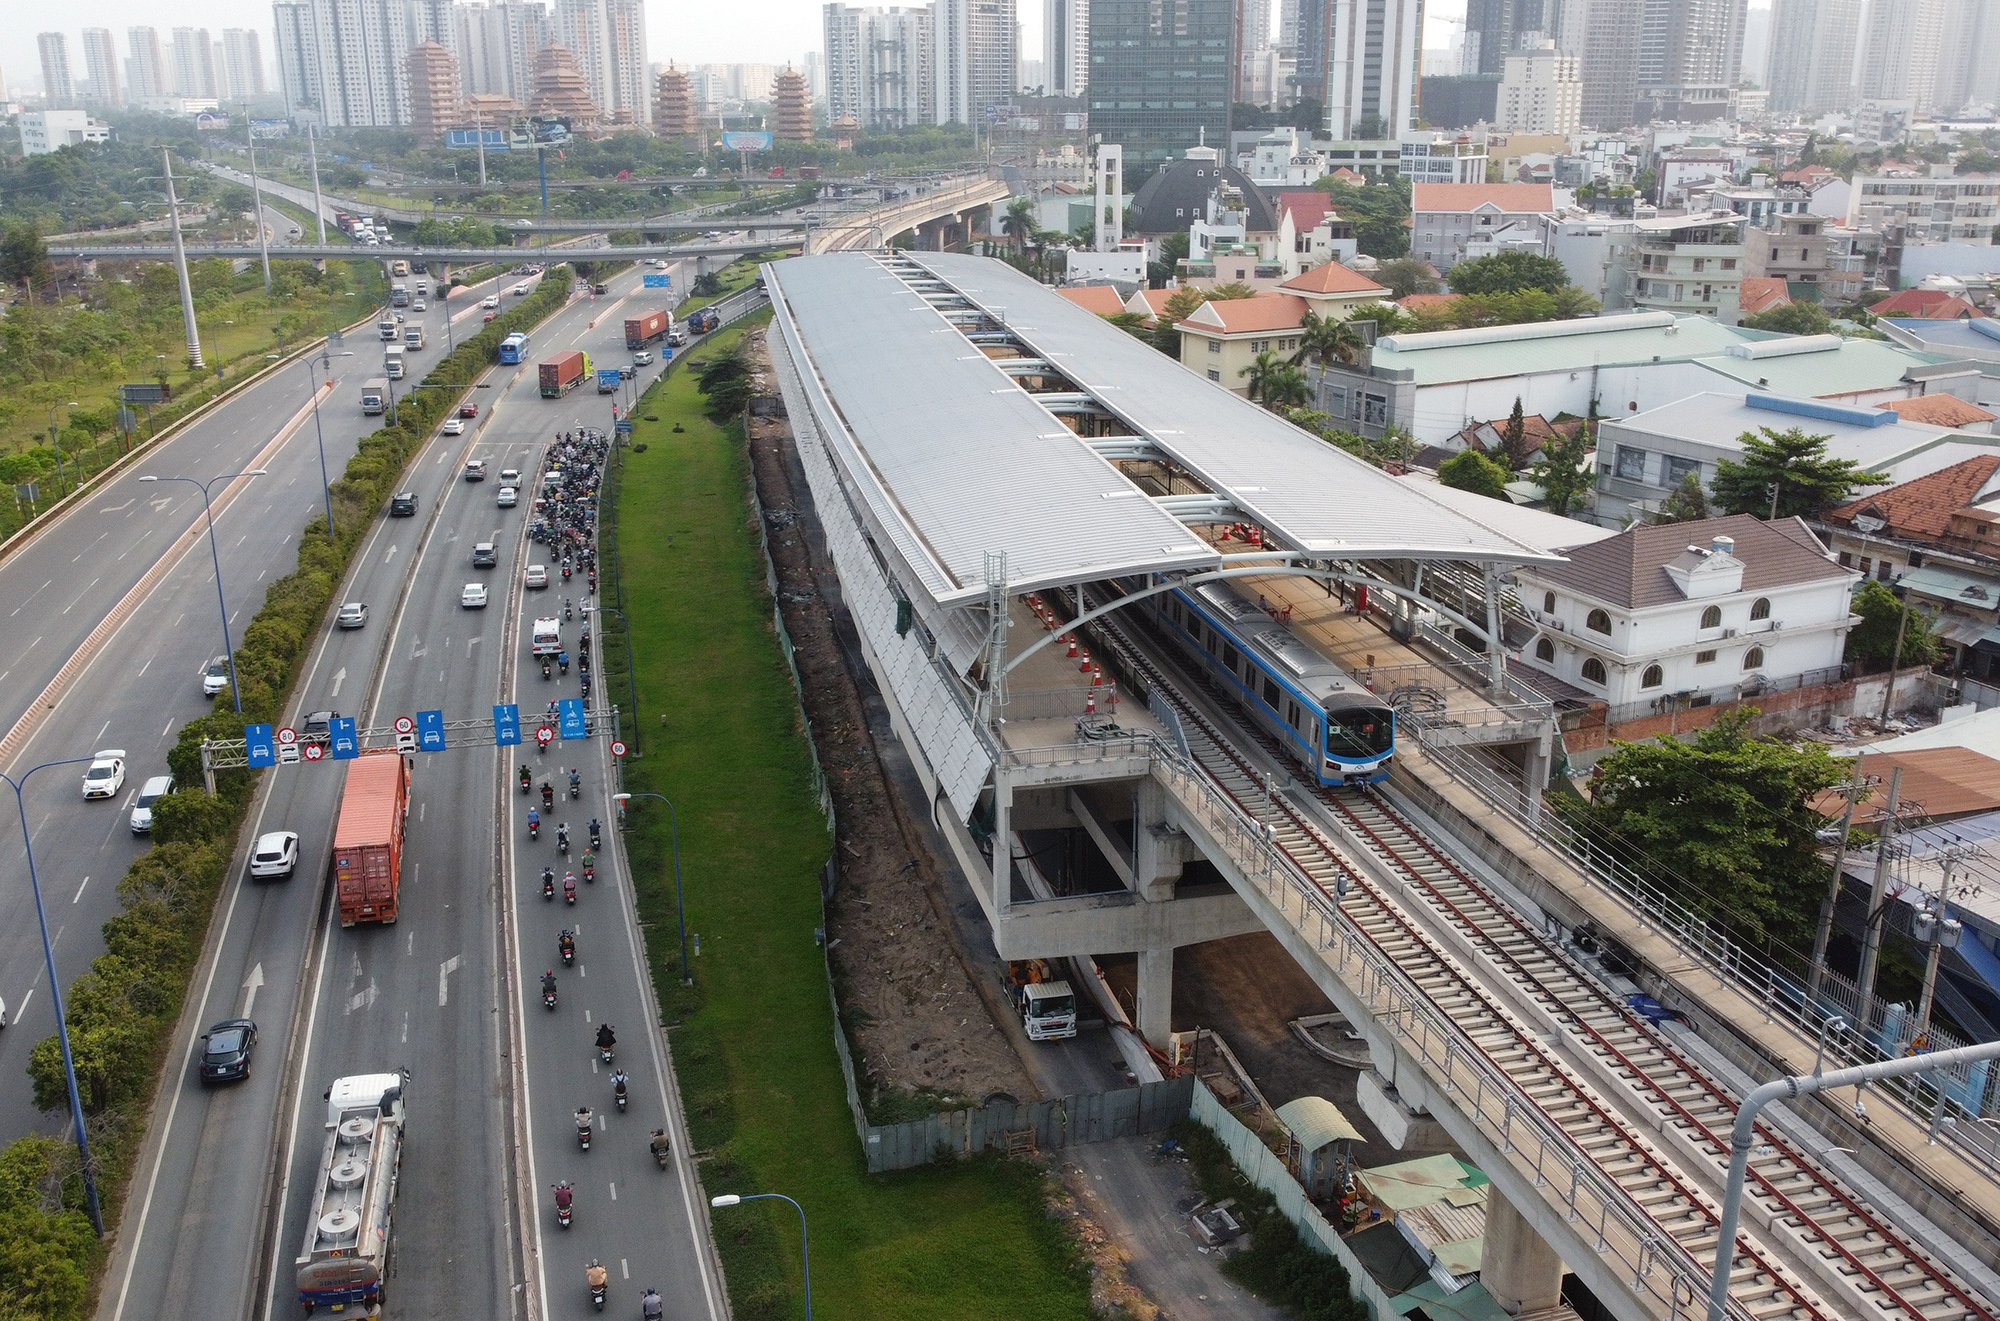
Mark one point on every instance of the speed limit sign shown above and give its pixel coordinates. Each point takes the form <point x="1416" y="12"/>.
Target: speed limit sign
<point x="545" y="735"/>
<point x="405" y="725"/>
<point x="617" y="748"/>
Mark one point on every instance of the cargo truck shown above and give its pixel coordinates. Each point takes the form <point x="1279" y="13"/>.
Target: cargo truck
<point x="643" y="330"/>
<point x="1045" y="1003"/>
<point x="374" y="395"/>
<point x="386" y="330"/>
<point x="346" y="1252"/>
<point x="413" y="337"/>
<point x="399" y="295"/>
<point x="392" y="362"/>
<point x="563" y="373"/>
<point x="368" y="839"/>
<point x="608" y="379"/>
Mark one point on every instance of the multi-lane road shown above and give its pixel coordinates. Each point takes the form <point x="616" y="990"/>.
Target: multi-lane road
<point x="218" y="1204"/>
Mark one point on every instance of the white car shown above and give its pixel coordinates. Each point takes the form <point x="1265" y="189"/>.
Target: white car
<point x="535" y="575"/>
<point x="521" y="289"/>
<point x="215" y="676"/>
<point x="642" y="359"/>
<point x="510" y="477"/>
<point x="420" y="306"/>
<point x="507" y="497"/>
<point x="276" y="854"/>
<point x="491" y="300"/>
<point x="142" y="809"/>
<point x="473" y="597"/>
<point x="453" y="426"/>
<point x="106" y="775"/>
<point x="352" y="615"/>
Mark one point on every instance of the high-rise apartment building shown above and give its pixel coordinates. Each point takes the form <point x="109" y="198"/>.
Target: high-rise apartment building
<point x="1361" y="60"/>
<point x="146" y="69"/>
<point x="1905" y="38"/>
<point x="1163" y="75"/>
<point x="100" y="66"/>
<point x="1541" y="91"/>
<point x="191" y="63"/>
<point x="1066" y="46"/>
<point x="1812" y="54"/>
<point x="791" y="107"/>
<point x="58" y="88"/>
<point x="434" y="91"/>
<point x="1660" y="59"/>
<point x="878" y="67"/>
<point x="608" y="39"/>
<point x="243" y="62"/>
<point x="1969" y="60"/>
<point x="675" y="115"/>
<point x="344" y="63"/>
<point x="975" y="58"/>
<point x="496" y="46"/>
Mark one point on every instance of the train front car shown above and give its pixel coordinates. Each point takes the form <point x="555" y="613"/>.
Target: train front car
<point x="1360" y="741"/>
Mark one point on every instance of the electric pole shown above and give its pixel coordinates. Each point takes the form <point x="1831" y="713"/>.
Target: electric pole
<point x="1871" y="944"/>
<point x="1940" y="932"/>
<point x="319" y="211"/>
<point x="1854" y="791"/>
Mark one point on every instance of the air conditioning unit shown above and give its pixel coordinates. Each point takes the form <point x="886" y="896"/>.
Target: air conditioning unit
<point x="1777" y="624"/>
<point x="1728" y="632"/>
<point x="1557" y="625"/>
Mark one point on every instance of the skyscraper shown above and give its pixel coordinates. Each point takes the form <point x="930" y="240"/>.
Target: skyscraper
<point x="58" y="91"/>
<point x="1360" y="59"/>
<point x="1494" y="29"/>
<point x="434" y="94"/>
<point x="146" y="72"/>
<point x="343" y="63"/>
<point x="878" y="66"/>
<point x="1904" y="42"/>
<point x="1066" y="46"/>
<point x="496" y="45"/>
<point x="191" y="63"/>
<point x="243" y="62"/>
<point x="608" y="39"/>
<point x="100" y="66"/>
<point x="1162" y="75"/>
<point x="1812" y="54"/>
<point x="1660" y="59"/>
<point x="975" y="57"/>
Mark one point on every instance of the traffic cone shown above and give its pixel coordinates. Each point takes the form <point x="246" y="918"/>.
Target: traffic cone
<point x="1096" y="676"/>
<point x="1085" y="665"/>
<point x="1072" y="646"/>
<point x="1090" y="702"/>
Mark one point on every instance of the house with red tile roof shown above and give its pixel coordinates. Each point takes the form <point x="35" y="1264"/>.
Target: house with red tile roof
<point x="1222" y="337"/>
<point x="1332" y="290"/>
<point x="1446" y="217"/>
<point x="1099" y="298"/>
<point x="1761" y="293"/>
<point x="1149" y="303"/>
<point x="1312" y="231"/>
<point x="1926" y="305"/>
<point x="1942" y="410"/>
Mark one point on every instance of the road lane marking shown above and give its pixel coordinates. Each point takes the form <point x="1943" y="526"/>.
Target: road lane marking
<point x="251" y="985"/>
<point x="406" y="1027"/>
<point x="391" y="555"/>
<point x="79" y="889"/>
<point x="364" y="999"/>
<point x="22" y="1011"/>
<point x="31" y="596"/>
<point x="614" y="1190"/>
<point x="168" y="730"/>
<point x="100" y="733"/>
<point x="340" y="677"/>
<point x="142" y="669"/>
<point x="80" y="595"/>
<point x="445" y="970"/>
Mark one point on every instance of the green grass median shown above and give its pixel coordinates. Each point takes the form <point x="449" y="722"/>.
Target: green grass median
<point x="753" y="1041"/>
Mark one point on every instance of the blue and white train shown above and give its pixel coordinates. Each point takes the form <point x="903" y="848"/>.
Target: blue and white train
<point x="1333" y="727"/>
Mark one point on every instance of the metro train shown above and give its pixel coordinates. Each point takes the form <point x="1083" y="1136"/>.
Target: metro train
<point x="1329" y="723"/>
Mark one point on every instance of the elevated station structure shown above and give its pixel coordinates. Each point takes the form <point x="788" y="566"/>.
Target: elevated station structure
<point x="998" y="473"/>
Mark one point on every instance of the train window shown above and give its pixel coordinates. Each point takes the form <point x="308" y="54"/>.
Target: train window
<point x="1358" y="731"/>
<point x="1271" y="693"/>
<point x="1292" y="714"/>
<point x="1229" y="658"/>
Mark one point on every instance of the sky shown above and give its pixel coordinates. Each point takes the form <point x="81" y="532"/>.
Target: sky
<point x="685" y="31"/>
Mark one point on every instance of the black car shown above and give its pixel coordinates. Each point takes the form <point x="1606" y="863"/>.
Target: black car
<point x="226" y="1050"/>
<point x="403" y="505"/>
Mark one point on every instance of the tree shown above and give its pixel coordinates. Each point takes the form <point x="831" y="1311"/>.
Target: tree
<point x="1728" y="818"/>
<point x="1326" y="338"/>
<point x="1792" y="319"/>
<point x="1380" y="213"/>
<point x="1276" y="383"/>
<point x="1403" y="276"/>
<point x="1793" y="464"/>
<point x="1019" y="221"/>
<point x="24" y="258"/>
<point x="1506" y="273"/>
<point x="1873" y="641"/>
<point x="1688" y="503"/>
<point x="1469" y="470"/>
<point x="1514" y="437"/>
<point x="1173" y="248"/>
<point x="1562" y="471"/>
<point x="1235" y="289"/>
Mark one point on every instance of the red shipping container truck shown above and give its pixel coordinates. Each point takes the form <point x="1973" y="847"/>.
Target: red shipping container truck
<point x="368" y="839"/>
<point x="643" y="330"/>
<point x="563" y="373"/>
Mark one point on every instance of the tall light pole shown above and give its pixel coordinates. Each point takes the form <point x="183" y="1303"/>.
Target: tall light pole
<point x="257" y="193"/>
<point x="631" y="675"/>
<point x="55" y="991"/>
<point x="805" y="1244"/>
<point x="326" y="487"/>
<point x="208" y="511"/>
<point x="55" y="439"/>
<point x="312" y="149"/>
<point x="680" y="909"/>
<point x="181" y="264"/>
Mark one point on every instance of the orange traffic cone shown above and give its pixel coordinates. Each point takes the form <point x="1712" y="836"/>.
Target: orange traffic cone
<point x="1090" y="703"/>
<point x="1072" y="646"/>
<point x="1096" y="676"/>
<point x="1085" y="659"/>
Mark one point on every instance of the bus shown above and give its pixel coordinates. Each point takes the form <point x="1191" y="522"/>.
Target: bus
<point x="514" y="348"/>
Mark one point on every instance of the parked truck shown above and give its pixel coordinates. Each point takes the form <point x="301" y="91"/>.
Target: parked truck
<point x="346" y="1253"/>
<point x="368" y="839"/>
<point x="608" y="380"/>
<point x="563" y="373"/>
<point x="374" y="395"/>
<point x="1045" y="1002"/>
<point x="643" y="330"/>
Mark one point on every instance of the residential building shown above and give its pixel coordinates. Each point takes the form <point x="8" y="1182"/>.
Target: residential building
<point x="1283" y="158"/>
<point x="58" y="88"/>
<point x="1812" y="55"/>
<point x="146" y="68"/>
<point x="674" y="115"/>
<point x="1684" y="614"/>
<point x="100" y="67"/>
<point x="1445" y="217"/>
<point x="975" y="58"/>
<point x="344" y="63"/>
<point x="1794" y="251"/>
<point x="1928" y="204"/>
<point x="191" y="63"/>
<point x="1760" y="205"/>
<point x="1362" y="58"/>
<point x="44" y="131"/>
<point x="1643" y="457"/>
<point x="434" y="91"/>
<point x="497" y="45"/>
<point x="878" y="66"/>
<point x="1441" y="158"/>
<point x="243" y="63"/>
<point x="1541" y="91"/>
<point x="1162" y="77"/>
<point x="1646" y="60"/>
<point x="1494" y="30"/>
<point x="608" y="40"/>
<point x="1222" y="337"/>
<point x="791" y="107"/>
<point x="1682" y="264"/>
<point x="1758" y="294"/>
<point x="1312" y="231"/>
<point x="1066" y="47"/>
<point x="1900" y="62"/>
<point x="1926" y="305"/>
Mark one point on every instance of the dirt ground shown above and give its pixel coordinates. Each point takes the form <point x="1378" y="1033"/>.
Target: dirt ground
<point x="919" y="1021"/>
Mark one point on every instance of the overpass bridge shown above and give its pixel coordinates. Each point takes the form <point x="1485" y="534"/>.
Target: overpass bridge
<point x="435" y="252"/>
<point x="978" y="521"/>
<point x="940" y="215"/>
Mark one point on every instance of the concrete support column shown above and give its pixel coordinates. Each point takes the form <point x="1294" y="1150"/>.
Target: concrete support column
<point x="1156" y="996"/>
<point x="1540" y="755"/>
<point x="1159" y="851"/>
<point x="1517" y="1267"/>
<point x="1003" y="841"/>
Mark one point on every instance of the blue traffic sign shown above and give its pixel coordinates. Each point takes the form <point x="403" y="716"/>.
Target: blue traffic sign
<point x="657" y="281"/>
<point x="346" y="744"/>
<point x="258" y="745"/>
<point x="430" y="731"/>
<point x="623" y="426"/>
<point x="666" y="355"/>
<point x="507" y="725"/>
<point x="570" y="713"/>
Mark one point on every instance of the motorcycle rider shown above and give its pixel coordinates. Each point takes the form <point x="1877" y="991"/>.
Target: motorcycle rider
<point x="606" y="1038"/>
<point x="596" y="833"/>
<point x="660" y="1146"/>
<point x="549" y="980"/>
<point x="595" y="1276"/>
<point x="562" y="836"/>
<point x="618" y="1084"/>
<point x="548" y="794"/>
<point x="569" y="886"/>
<point x="566" y="944"/>
<point x="526" y="778"/>
<point x="534" y="822"/>
<point x="575" y="781"/>
<point x="583" y="1118"/>
<point x="564" y="1195"/>
<point x="650" y="1307"/>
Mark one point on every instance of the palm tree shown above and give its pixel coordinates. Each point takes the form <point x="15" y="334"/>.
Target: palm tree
<point x="1276" y="383"/>
<point x="1019" y="222"/>
<point x="1325" y="338"/>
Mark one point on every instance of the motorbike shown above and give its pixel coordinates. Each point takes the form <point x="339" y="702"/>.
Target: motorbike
<point x="583" y="1118"/>
<point x="526" y="780"/>
<point x="575" y="783"/>
<point x="547" y="673"/>
<point x="589" y="868"/>
<point x="562" y="662"/>
<point x="562" y="841"/>
<point x="568" y="614"/>
<point x="663" y="1150"/>
<point x="593" y="580"/>
<point x="595" y="1276"/>
<point x="619" y="1090"/>
<point x="564" y="1192"/>
<point x="596" y="835"/>
<point x="548" y="795"/>
<point x="650" y="1307"/>
<point x="548" y="888"/>
<point x="548" y="997"/>
<point x="567" y="945"/>
<point x="565" y="573"/>
<point x="534" y="826"/>
<point x="569" y="888"/>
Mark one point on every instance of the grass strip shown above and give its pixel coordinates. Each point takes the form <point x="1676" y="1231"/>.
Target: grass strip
<point x="753" y="1039"/>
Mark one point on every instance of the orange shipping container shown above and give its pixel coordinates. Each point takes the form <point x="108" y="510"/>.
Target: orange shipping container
<point x="368" y="840"/>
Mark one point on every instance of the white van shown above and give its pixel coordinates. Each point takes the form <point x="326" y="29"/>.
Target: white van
<point x="548" y="635"/>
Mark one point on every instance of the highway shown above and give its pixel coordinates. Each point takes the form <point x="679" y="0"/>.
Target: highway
<point x="131" y="565"/>
<point x="219" y="1203"/>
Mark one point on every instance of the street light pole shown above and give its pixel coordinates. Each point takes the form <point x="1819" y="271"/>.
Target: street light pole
<point x="55" y="439"/>
<point x="55" y="992"/>
<point x="680" y="909"/>
<point x="208" y="511"/>
<point x="805" y="1244"/>
<point x="325" y="486"/>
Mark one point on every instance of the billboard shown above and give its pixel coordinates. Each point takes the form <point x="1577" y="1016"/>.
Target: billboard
<point x="746" y="141"/>
<point x="270" y="128"/>
<point x="211" y="121"/>
<point x="468" y="139"/>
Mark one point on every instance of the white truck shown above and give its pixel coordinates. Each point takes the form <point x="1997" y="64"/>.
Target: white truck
<point x="393" y="362"/>
<point x="413" y="337"/>
<point x="1045" y="1002"/>
<point x="346" y="1253"/>
<point x="548" y="635"/>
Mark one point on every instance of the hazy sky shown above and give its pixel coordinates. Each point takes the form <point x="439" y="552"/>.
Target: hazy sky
<point x="686" y="31"/>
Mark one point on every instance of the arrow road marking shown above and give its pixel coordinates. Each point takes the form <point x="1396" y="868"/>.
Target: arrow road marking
<point x="363" y="999"/>
<point x="390" y="556"/>
<point x="339" y="677"/>
<point x="445" y="970"/>
<point x="250" y="985"/>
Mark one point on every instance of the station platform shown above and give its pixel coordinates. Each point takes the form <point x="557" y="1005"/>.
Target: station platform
<point x="1053" y="691"/>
